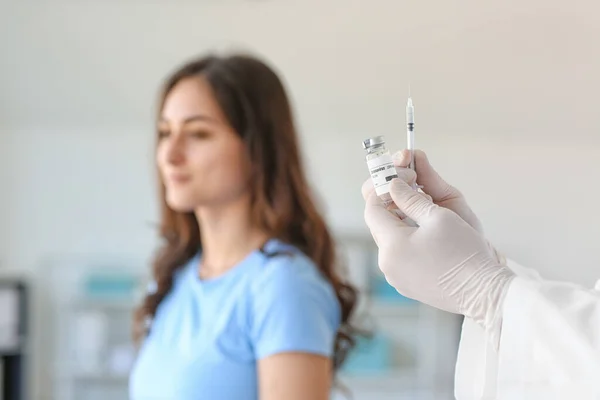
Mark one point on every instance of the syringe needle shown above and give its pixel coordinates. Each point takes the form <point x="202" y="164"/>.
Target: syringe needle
<point x="410" y="131"/>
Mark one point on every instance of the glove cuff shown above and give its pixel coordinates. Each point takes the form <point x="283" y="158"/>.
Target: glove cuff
<point x="483" y="295"/>
<point x="500" y="258"/>
<point x="492" y="322"/>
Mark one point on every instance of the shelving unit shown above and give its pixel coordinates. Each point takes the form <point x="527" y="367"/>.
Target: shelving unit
<point x="92" y="311"/>
<point x="14" y="337"/>
<point x="421" y="342"/>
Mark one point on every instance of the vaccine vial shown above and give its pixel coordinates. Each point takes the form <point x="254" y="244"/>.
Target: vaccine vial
<point x="381" y="167"/>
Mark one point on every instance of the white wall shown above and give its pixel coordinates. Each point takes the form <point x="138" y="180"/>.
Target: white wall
<point x="506" y="98"/>
<point x="489" y="83"/>
<point x="80" y="192"/>
<point x="4" y="201"/>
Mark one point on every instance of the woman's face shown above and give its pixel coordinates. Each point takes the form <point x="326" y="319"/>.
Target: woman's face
<point x="201" y="159"/>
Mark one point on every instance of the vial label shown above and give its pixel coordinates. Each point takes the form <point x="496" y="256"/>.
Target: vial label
<point x="382" y="172"/>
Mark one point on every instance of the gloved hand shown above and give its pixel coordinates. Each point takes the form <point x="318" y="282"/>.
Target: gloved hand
<point x="444" y="262"/>
<point x="441" y="193"/>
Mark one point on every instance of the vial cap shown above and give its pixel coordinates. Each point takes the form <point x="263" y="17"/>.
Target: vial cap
<point x="370" y="142"/>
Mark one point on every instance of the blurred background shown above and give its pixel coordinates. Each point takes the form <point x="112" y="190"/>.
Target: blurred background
<point x="506" y="105"/>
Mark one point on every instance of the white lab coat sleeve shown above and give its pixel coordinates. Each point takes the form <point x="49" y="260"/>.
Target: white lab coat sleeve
<point x="549" y="345"/>
<point x="550" y="342"/>
<point x="477" y="363"/>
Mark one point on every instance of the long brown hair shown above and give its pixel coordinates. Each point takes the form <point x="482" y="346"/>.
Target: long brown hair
<point x="255" y="103"/>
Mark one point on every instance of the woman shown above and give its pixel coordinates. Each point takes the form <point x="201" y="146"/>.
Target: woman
<point x="248" y="304"/>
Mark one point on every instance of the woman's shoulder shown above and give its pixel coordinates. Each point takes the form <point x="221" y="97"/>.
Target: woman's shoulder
<point x="293" y="306"/>
<point x="289" y="275"/>
<point x="286" y="265"/>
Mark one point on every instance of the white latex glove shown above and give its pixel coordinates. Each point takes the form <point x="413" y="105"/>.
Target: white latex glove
<point x="441" y="192"/>
<point x="444" y="262"/>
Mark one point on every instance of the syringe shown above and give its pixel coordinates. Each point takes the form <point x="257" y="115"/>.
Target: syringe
<point x="410" y="131"/>
<point x="410" y="135"/>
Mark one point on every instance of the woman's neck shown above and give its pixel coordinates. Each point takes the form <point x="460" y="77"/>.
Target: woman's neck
<point x="228" y="235"/>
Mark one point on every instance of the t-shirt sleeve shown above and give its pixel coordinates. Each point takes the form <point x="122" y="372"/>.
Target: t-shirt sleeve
<point x="294" y="309"/>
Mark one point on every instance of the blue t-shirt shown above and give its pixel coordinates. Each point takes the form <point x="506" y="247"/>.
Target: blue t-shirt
<point x="207" y="335"/>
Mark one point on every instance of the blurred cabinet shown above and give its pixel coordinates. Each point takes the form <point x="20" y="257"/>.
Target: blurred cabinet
<point x="92" y="316"/>
<point x="14" y="338"/>
<point x="411" y="348"/>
